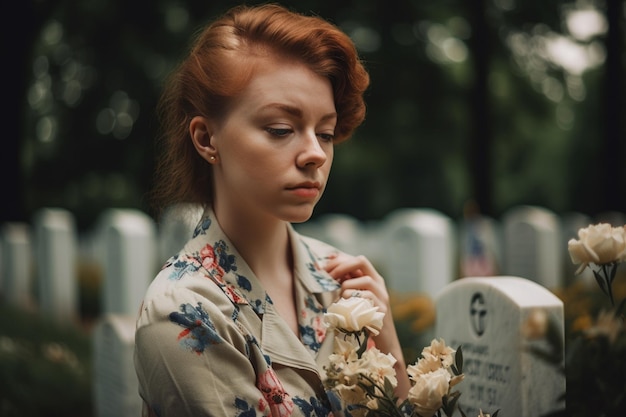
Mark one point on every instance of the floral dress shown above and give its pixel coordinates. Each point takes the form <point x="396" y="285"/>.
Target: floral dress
<point x="209" y="341"/>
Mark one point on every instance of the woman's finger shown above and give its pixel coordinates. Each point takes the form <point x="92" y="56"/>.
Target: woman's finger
<point x="353" y="266"/>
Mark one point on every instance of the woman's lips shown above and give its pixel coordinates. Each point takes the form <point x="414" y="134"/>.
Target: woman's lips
<point x="307" y="190"/>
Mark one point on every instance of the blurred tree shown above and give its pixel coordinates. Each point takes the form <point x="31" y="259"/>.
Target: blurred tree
<point x="16" y="50"/>
<point x="614" y="109"/>
<point x="480" y="126"/>
<point x="479" y="101"/>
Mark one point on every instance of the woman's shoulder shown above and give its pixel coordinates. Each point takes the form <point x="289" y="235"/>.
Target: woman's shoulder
<point x="182" y="281"/>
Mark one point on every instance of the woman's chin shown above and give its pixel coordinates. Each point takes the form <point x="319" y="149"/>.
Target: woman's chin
<point x="299" y="216"/>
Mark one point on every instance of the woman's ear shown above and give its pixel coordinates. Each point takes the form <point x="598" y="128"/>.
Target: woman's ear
<point x="200" y="131"/>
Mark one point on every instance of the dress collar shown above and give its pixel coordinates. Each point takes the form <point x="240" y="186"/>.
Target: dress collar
<point x="315" y="290"/>
<point x="223" y="260"/>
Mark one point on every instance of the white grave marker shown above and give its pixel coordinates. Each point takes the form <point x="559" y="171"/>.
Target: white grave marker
<point x="342" y="231"/>
<point x="371" y="244"/>
<point x="115" y="382"/>
<point x="420" y="249"/>
<point x="533" y="245"/>
<point x="489" y="317"/>
<point x="56" y="260"/>
<point x="128" y="239"/>
<point x="17" y="262"/>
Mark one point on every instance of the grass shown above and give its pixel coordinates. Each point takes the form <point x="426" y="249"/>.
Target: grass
<point x="45" y="367"/>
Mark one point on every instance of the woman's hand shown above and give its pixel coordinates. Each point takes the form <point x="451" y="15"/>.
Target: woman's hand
<point x="359" y="278"/>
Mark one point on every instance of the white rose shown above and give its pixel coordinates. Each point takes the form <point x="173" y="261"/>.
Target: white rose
<point x="424" y="365"/>
<point x="378" y="366"/>
<point x="439" y="350"/>
<point x="456" y="380"/>
<point x="372" y="404"/>
<point x="346" y="345"/>
<point x="428" y="390"/>
<point x="352" y="370"/>
<point x="354" y="314"/>
<point x="352" y="394"/>
<point x="598" y="244"/>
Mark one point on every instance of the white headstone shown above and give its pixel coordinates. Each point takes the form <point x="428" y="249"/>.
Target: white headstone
<point x="371" y="244"/>
<point x="17" y="261"/>
<point x="342" y="231"/>
<point x="56" y="263"/>
<point x="494" y="320"/>
<point x="176" y="228"/>
<point x="420" y="250"/>
<point x="115" y="381"/>
<point x="129" y="249"/>
<point x="533" y="245"/>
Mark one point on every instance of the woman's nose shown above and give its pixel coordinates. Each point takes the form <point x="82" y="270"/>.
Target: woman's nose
<point x="312" y="152"/>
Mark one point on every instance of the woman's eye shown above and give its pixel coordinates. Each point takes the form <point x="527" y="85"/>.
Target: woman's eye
<point x="327" y="137"/>
<point x="280" y="132"/>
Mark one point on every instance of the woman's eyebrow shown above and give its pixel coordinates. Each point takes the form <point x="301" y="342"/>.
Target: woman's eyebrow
<point x="295" y="111"/>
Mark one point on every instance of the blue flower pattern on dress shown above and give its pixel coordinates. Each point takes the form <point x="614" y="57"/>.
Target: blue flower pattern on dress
<point x="313" y="306"/>
<point x="257" y="305"/>
<point x="202" y="227"/>
<point x="199" y="332"/>
<point x="226" y="260"/>
<point x="316" y="271"/>
<point x="246" y="409"/>
<point x="244" y="283"/>
<point x="181" y="267"/>
<point x="309" y="337"/>
<point x="311" y="408"/>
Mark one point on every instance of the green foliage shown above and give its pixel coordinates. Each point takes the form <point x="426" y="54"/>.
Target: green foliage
<point x="45" y="367"/>
<point x="596" y="376"/>
<point x="438" y="132"/>
<point x="595" y="355"/>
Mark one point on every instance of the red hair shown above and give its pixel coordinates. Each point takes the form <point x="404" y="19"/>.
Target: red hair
<point x="219" y="65"/>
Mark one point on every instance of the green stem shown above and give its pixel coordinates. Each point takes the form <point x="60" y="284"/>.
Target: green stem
<point x="609" y="275"/>
<point x="391" y="403"/>
<point x="362" y="345"/>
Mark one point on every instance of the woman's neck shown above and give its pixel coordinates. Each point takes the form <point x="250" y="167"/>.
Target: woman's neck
<point x="263" y="244"/>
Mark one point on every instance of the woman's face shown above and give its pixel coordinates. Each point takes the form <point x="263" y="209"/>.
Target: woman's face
<point x="274" y="147"/>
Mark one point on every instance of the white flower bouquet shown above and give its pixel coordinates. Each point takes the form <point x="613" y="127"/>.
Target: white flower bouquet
<point x="602" y="248"/>
<point x="362" y="379"/>
<point x="596" y="351"/>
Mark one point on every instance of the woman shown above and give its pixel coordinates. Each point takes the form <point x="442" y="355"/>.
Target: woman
<point x="232" y="325"/>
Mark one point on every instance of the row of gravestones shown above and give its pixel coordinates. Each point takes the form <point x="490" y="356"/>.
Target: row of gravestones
<point x="417" y="250"/>
<point x="422" y="250"/>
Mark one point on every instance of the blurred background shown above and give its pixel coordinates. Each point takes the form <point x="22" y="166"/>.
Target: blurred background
<point x="474" y="104"/>
<point x="497" y="102"/>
